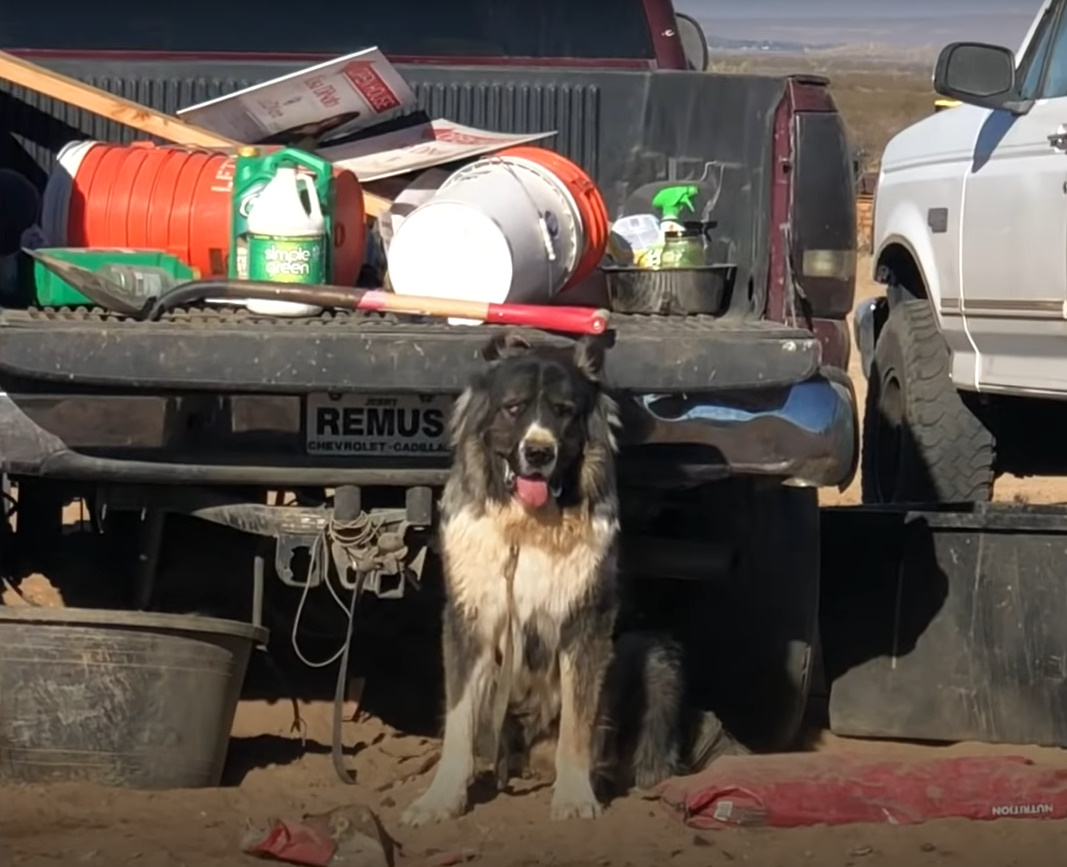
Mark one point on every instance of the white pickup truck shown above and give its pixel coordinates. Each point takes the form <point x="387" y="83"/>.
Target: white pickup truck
<point x="966" y="355"/>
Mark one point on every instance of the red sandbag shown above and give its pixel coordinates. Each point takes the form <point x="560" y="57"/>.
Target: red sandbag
<point x="310" y="844"/>
<point x="838" y="789"/>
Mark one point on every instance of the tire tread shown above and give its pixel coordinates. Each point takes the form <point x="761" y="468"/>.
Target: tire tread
<point x="955" y="447"/>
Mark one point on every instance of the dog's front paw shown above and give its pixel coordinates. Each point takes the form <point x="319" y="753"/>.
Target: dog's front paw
<point x="434" y="807"/>
<point x="573" y="798"/>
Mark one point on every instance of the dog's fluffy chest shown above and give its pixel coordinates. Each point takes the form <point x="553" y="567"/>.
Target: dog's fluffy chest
<point x="560" y="560"/>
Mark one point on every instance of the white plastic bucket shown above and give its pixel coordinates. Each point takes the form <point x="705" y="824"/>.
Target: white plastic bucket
<point x="55" y="204"/>
<point x="502" y="229"/>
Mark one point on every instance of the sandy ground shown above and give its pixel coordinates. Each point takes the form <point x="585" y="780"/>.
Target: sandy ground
<point x="77" y="824"/>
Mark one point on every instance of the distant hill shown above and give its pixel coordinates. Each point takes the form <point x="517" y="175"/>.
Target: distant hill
<point x="722" y="43"/>
<point x="868" y="53"/>
<point x="805" y="24"/>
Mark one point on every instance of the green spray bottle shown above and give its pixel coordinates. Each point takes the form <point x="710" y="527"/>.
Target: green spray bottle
<point x="671" y="201"/>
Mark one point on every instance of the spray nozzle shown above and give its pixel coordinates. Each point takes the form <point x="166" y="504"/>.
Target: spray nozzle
<point x="671" y="200"/>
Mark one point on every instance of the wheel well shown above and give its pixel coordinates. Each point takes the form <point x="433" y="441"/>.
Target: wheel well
<point x="900" y="273"/>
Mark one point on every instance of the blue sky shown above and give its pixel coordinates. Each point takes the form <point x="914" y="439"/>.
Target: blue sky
<point x="906" y="23"/>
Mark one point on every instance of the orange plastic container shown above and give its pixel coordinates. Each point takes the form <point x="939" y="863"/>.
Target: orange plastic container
<point x="178" y="200"/>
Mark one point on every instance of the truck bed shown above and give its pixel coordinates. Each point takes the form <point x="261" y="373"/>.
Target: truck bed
<point x="625" y="128"/>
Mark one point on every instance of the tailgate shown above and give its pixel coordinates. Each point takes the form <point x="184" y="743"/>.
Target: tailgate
<point x="238" y="352"/>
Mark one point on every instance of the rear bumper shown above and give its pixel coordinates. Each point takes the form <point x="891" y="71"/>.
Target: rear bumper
<point x="223" y="401"/>
<point x="805" y="432"/>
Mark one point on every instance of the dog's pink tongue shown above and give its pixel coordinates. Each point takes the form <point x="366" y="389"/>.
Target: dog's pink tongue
<point x="531" y="492"/>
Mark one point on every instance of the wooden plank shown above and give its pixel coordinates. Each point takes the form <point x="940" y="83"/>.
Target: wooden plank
<point x="375" y="205"/>
<point x="92" y="99"/>
<point x="100" y="102"/>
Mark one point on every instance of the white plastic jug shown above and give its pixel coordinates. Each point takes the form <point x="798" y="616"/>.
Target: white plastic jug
<point x="286" y="240"/>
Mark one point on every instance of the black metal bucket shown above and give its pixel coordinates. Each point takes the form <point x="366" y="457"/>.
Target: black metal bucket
<point x="669" y="291"/>
<point x="119" y="698"/>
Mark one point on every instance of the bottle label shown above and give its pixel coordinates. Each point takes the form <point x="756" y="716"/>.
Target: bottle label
<point x="281" y="259"/>
<point x="240" y="257"/>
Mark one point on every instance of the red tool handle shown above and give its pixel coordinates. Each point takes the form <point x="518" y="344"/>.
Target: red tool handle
<point x="576" y="320"/>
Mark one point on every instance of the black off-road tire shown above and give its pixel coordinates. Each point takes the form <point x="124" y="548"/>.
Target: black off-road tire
<point x="921" y="442"/>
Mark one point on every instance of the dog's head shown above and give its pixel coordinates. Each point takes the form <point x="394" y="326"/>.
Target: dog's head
<point x="540" y="416"/>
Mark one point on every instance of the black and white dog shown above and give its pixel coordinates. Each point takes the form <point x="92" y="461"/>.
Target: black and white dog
<point x="529" y="533"/>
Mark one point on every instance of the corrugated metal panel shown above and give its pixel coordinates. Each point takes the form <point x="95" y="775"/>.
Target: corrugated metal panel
<point x="573" y="111"/>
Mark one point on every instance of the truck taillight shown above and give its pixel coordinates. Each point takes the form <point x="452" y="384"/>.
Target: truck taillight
<point x="824" y="215"/>
<point x="828" y="264"/>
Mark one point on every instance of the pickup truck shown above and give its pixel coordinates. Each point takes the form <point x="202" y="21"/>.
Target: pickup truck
<point x="964" y="353"/>
<point x="732" y="421"/>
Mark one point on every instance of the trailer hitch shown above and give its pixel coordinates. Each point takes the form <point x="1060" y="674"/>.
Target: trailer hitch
<point x="372" y="543"/>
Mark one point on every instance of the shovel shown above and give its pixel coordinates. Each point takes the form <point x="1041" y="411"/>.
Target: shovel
<point x="109" y="295"/>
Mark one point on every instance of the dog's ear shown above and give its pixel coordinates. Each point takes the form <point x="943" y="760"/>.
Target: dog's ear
<point x="589" y="352"/>
<point x="506" y="345"/>
<point x="470" y="409"/>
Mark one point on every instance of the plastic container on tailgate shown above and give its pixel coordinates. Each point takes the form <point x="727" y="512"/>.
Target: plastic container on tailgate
<point x="520" y="226"/>
<point x="669" y="291"/>
<point x="175" y="199"/>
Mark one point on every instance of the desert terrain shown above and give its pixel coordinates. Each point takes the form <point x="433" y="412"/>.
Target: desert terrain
<point x="279" y="773"/>
<point x="877" y="95"/>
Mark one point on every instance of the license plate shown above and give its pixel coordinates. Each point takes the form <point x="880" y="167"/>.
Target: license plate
<point x="377" y="425"/>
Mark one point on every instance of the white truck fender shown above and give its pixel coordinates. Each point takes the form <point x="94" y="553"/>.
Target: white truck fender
<point x="905" y="226"/>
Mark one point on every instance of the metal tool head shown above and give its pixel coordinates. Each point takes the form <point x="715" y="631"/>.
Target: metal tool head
<point x="101" y="291"/>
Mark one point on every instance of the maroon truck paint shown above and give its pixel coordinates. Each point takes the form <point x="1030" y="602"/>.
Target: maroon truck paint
<point x="781" y="186"/>
<point x="274" y="57"/>
<point x="803" y="93"/>
<point x="664" y="27"/>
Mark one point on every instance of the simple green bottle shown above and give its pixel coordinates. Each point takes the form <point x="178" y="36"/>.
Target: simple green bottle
<point x="286" y="240"/>
<point x="252" y="173"/>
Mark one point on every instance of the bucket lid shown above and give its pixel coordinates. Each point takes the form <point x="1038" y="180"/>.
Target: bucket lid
<point x="596" y="225"/>
<point x="526" y="175"/>
<point x="423" y="255"/>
